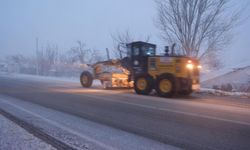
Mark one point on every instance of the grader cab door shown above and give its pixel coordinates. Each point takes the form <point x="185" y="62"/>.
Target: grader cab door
<point x="138" y="53"/>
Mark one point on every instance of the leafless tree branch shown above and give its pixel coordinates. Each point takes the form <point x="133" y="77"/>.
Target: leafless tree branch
<point x="120" y="39"/>
<point x="198" y="26"/>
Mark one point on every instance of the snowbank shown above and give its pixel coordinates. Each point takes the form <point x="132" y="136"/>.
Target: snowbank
<point x="211" y="74"/>
<point x="224" y="93"/>
<point x="237" y="80"/>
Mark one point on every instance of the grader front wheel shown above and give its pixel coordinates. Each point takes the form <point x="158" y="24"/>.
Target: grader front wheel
<point x="86" y="79"/>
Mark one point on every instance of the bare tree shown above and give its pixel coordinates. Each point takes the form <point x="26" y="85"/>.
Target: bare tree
<point x="79" y="53"/>
<point x="200" y="27"/>
<point x="120" y="39"/>
<point x="46" y="59"/>
<point x="16" y="62"/>
<point x="83" y="55"/>
<point x="18" y="59"/>
<point x="94" y="56"/>
<point x="51" y="54"/>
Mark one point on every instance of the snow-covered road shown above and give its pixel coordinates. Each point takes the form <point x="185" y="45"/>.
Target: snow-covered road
<point x="119" y="119"/>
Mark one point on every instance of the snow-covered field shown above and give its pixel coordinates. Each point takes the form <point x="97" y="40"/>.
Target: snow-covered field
<point x="47" y="78"/>
<point x="40" y="78"/>
<point x="76" y="132"/>
<point x="211" y="74"/>
<point x="237" y="80"/>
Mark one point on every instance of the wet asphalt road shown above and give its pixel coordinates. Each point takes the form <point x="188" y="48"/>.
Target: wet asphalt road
<point x="186" y="122"/>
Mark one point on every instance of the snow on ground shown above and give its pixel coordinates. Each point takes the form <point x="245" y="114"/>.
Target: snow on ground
<point x="210" y="74"/>
<point x="241" y="75"/>
<point x="13" y="137"/>
<point x="239" y="79"/>
<point x="77" y="132"/>
<point x="47" y="78"/>
<point x="234" y="78"/>
<point x="224" y="93"/>
<point x="40" y="78"/>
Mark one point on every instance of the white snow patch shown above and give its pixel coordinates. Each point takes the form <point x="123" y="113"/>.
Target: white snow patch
<point x="13" y="137"/>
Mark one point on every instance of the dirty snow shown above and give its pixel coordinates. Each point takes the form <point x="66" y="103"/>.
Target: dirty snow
<point x="78" y="132"/>
<point x="13" y="137"/>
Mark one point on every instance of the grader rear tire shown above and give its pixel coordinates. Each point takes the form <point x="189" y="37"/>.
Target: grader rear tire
<point x="165" y="85"/>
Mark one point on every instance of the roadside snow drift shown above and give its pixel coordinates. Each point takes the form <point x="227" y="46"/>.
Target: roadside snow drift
<point x="237" y="80"/>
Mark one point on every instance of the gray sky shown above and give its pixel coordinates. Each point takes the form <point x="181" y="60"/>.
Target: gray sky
<point x="63" y="22"/>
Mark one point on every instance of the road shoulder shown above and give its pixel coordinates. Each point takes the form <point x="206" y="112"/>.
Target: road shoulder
<point x="14" y="137"/>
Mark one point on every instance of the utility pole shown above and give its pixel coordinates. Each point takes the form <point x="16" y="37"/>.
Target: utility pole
<point x="107" y="51"/>
<point x="36" y="56"/>
<point x="119" y="49"/>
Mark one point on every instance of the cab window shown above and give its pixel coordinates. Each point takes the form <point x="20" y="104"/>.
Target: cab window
<point x="136" y="51"/>
<point x="148" y="51"/>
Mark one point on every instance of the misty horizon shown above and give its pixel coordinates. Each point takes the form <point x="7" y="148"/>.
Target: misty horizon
<point x="63" y="23"/>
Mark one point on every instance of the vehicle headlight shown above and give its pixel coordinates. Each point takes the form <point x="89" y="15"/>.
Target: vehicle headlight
<point x="190" y="66"/>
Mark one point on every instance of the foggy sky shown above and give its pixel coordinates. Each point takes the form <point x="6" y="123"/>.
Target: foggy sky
<point x="63" y="22"/>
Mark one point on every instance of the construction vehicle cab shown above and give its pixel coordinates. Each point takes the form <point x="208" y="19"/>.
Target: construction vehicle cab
<point x="138" y="53"/>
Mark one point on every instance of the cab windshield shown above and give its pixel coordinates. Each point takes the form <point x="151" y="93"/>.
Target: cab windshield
<point x="148" y="51"/>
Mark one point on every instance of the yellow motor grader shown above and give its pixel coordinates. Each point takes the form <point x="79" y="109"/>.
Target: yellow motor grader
<point x="145" y="71"/>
